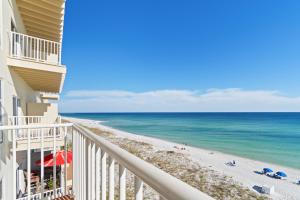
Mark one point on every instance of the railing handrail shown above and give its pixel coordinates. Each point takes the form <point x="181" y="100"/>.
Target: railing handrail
<point x="34" y="126"/>
<point x="24" y="116"/>
<point x="166" y="185"/>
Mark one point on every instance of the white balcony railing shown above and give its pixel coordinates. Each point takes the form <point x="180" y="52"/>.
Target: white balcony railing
<point x="22" y="134"/>
<point x="35" y="49"/>
<point x="94" y="160"/>
<point x="90" y="178"/>
<point x="43" y="129"/>
<point x="24" y="120"/>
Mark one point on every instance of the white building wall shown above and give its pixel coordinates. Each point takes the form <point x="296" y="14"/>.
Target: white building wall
<point x="13" y="85"/>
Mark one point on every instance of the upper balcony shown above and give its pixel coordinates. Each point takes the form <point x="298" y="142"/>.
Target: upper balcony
<point x="37" y="61"/>
<point x="26" y="47"/>
<point x="36" y="55"/>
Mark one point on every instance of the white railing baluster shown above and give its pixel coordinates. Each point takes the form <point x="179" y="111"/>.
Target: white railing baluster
<point x="47" y="51"/>
<point x="29" y="47"/>
<point x="103" y="175"/>
<point x="14" y="176"/>
<point x="93" y="171"/>
<point x="89" y="166"/>
<point x="42" y="161"/>
<point x="138" y="188"/>
<point x="122" y="182"/>
<point x="43" y="50"/>
<point x="15" y="45"/>
<point x="59" y="53"/>
<point x="111" y="190"/>
<point x="54" y="161"/>
<point x="84" y="167"/>
<point x="74" y="169"/>
<point x="78" y="136"/>
<point x="38" y="49"/>
<point x="98" y="180"/>
<point x="65" y="163"/>
<point x="79" y="165"/>
<point x="33" y="49"/>
<point x="22" y="47"/>
<point x="28" y="165"/>
<point x="11" y="43"/>
<point x="27" y="50"/>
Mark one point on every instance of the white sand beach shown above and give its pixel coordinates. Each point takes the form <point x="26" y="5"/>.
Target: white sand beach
<point x="243" y="172"/>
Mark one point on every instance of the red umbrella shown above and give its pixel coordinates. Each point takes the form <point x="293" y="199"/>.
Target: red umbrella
<point x="60" y="159"/>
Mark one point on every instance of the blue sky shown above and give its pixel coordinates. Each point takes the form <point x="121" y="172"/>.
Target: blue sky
<point x="167" y="45"/>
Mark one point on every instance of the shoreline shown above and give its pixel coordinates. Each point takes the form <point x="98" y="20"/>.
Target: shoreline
<point x="243" y="173"/>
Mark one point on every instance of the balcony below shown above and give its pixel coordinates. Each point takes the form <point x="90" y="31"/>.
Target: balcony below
<point x="37" y="61"/>
<point x="35" y="135"/>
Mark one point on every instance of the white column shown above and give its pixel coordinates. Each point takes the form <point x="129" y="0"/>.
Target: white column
<point x="103" y="175"/>
<point x="122" y="182"/>
<point x="111" y="190"/>
<point x="138" y="188"/>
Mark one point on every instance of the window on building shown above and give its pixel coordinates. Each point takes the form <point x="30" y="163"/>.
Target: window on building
<point x="13" y="26"/>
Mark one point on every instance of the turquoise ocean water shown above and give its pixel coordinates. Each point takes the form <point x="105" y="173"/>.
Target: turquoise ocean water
<point x="268" y="137"/>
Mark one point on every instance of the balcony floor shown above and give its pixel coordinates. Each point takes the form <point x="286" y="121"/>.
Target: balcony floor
<point x="67" y="197"/>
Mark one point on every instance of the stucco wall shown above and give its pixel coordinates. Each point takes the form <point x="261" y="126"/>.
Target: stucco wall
<point x="48" y="110"/>
<point x="13" y="85"/>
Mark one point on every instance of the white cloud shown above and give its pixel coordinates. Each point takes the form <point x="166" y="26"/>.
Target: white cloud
<point x="212" y="100"/>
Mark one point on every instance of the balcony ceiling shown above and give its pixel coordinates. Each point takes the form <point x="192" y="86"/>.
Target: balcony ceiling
<point x="40" y="77"/>
<point x="43" y="18"/>
<point x="40" y="80"/>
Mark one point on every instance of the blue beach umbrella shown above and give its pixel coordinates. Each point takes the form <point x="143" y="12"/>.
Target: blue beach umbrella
<point x="267" y="170"/>
<point x="282" y="174"/>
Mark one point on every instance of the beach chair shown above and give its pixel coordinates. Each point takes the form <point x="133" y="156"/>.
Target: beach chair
<point x="280" y="175"/>
<point x="267" y="189"/>
<point x="267" y="171"/>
